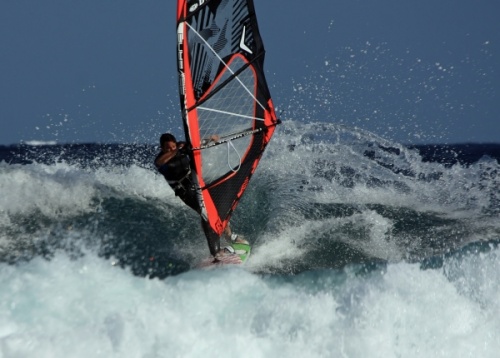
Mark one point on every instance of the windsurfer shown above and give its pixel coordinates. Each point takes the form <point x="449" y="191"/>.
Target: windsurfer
<point x="174" y="164"/>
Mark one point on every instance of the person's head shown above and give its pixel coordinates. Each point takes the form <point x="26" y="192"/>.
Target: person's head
<point x="168" y="142"/>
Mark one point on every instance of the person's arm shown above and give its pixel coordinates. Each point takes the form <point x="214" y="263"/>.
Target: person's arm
<point x="165" y="157"/>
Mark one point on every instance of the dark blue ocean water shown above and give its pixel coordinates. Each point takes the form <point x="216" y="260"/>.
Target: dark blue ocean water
<point x="361" y="245"/>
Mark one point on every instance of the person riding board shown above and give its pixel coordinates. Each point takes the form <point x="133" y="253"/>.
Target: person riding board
<point x="174" y="164"/>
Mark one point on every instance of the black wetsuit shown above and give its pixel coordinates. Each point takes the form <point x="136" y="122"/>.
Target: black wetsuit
<point x="177" y="172"/>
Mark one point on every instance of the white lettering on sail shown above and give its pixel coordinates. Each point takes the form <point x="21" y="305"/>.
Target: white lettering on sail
<point x="195" y="6"/>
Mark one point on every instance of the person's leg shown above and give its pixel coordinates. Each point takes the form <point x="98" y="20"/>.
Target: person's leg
<point x="233" y="238"/>
<point x="227" y="231"/>
<point x="189" y="198"/>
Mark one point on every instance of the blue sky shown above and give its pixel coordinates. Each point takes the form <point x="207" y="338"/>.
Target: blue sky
<point x="423" y="71"/>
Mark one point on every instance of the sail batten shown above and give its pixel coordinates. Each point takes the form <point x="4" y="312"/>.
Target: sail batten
<point x="224" y="95"/>
<point x="229" y="113"/>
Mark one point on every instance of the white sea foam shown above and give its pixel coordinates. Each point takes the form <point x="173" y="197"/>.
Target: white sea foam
<point x="54" y="190"/>
<point x="61" y="189"/>
<point x="335" y="164"/>
<point x="87" y="307"/>
<point x="37" y="143"/>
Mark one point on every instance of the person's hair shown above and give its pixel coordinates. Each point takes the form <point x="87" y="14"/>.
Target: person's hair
<point x="167" y="137"/>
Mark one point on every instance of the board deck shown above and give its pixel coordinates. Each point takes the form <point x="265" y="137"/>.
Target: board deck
<point x="241" y="255"/>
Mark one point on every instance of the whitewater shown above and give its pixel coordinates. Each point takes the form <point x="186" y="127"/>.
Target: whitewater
<point x="362" y="248"/>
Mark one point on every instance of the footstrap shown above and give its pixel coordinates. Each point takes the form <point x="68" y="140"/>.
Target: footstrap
<point x="229" y="249"/>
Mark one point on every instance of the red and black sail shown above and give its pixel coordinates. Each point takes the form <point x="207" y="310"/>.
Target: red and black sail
<point x="224" y="96"/>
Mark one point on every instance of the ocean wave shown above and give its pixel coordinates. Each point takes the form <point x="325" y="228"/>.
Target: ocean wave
<point x="323" y="196"/>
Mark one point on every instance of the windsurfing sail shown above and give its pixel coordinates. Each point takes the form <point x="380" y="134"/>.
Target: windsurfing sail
<point x="224" y="96"/>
